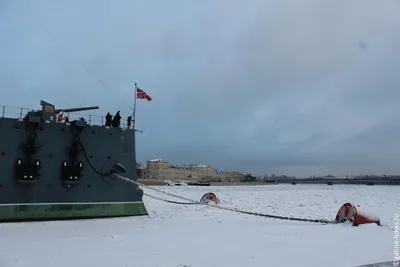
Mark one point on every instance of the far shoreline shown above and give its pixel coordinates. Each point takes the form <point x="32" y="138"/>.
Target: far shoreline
<point x="368" y="182"/>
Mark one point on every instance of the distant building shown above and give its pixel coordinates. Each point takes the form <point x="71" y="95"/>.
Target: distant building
<point x="230" y="176"/>
<point x="161" y="169"/>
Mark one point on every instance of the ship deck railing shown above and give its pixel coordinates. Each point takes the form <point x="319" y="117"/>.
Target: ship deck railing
<point x="20" y="113"/>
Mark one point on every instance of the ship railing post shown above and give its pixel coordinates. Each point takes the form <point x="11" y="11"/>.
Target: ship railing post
<point x="102" y="123"/>
<point x="20" y="114"/>
<point x="90" y="119"/>
<point x="4" y="110"/>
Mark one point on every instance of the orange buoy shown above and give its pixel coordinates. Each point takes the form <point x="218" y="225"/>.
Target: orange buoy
<point x="352" y="213"/>
<point x="210" y="197"/>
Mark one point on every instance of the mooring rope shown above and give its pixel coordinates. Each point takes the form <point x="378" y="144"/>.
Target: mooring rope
<point x="321" y="221"/>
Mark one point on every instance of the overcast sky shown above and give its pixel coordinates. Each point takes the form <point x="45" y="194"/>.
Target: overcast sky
<point x="285" y="87"/>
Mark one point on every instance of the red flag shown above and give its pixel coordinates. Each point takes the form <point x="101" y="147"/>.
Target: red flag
<point x="140" y="94"/>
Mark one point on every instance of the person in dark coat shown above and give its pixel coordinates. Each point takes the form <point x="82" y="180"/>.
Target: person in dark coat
<point x="109" y="119"/>
<point x="116" y="120"/>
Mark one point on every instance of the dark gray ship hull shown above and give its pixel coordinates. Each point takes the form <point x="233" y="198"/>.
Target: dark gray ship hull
<point x="49" y="196"/>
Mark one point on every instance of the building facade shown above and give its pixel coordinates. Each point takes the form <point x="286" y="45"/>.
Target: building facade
<point x="161" y="169"/>
<point x="230" y="176"/>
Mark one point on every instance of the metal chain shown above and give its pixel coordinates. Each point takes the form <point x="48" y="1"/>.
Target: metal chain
<point x="323" y="221"/>
<point x="387" y="227"/>
<point x="171" y="201"/>
<point x="155" y="189"/>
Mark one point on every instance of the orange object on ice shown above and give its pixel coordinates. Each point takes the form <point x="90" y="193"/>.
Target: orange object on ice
<point x="210" y="197"/>
<point x="352" y="213"/>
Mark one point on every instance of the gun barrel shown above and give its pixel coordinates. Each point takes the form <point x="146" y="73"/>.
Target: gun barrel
<point x="76" y="109"/>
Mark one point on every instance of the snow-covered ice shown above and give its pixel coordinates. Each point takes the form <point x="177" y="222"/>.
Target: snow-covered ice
<point x="200" y="236"/>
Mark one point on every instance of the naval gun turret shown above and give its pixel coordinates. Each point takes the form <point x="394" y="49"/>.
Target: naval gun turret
<point x="48" y="112"/>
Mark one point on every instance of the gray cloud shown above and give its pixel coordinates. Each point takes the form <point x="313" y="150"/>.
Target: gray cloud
<point x="291" y="87"/>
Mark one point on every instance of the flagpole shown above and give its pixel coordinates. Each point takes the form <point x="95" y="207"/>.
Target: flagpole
<point x="134" y="108"/>
<point x="134" y="131"/>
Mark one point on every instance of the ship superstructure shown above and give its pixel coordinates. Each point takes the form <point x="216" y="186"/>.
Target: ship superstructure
<point x="56" y="168"/>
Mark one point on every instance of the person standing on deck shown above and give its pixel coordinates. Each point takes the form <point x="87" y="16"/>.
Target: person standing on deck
<point x="108" y="119"/>
<point x="117" y="120"/>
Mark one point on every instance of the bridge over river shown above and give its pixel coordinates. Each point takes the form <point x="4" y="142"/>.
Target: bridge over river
<point x="330" y="181"/>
